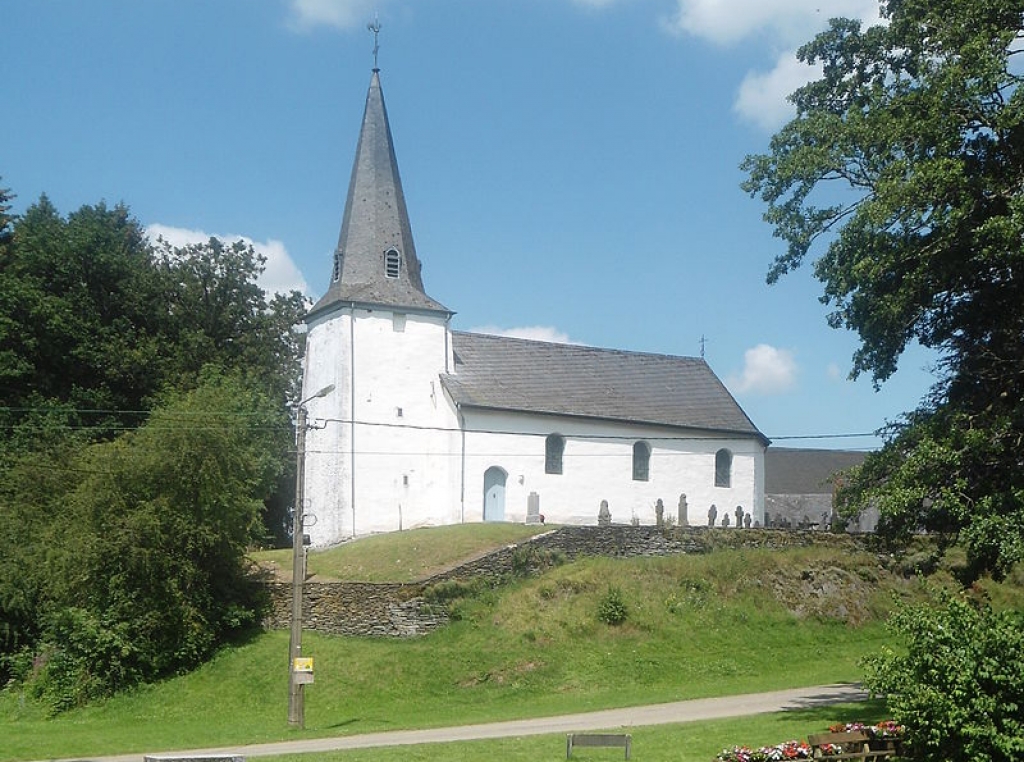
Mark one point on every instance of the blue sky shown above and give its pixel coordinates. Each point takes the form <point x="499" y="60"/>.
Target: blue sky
<point x="570" y="166"/>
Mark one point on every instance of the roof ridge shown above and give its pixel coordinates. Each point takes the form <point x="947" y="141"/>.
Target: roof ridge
<point x="579" y="346"/>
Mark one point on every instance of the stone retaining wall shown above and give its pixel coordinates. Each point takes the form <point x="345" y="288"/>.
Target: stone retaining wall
<point x="400" y="610"/>
<point x="357" y="608"/>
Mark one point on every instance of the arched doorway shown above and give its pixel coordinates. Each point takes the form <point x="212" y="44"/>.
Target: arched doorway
<point x="494" y="494"/>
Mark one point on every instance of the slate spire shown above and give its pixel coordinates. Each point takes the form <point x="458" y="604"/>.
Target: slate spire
<point x="375" y="262"/>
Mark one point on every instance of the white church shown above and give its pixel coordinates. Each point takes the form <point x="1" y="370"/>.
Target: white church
<point x="424" y="426"/>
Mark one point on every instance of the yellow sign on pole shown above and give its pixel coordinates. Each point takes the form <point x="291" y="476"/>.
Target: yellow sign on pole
<point x="302" y="670"/>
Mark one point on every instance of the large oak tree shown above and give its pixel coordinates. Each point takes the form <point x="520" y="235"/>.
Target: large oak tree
<point x="144" y="438"/>
<point x="902" y="175"/>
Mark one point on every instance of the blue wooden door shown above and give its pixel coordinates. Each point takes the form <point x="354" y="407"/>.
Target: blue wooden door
<point x="494" y="494"/>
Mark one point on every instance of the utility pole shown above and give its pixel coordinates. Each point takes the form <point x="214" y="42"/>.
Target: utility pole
<point x="296" y="696"/>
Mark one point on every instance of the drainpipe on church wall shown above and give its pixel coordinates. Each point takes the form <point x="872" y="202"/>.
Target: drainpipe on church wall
<point x="462" y="463"/>
<point x="352" y="414"/>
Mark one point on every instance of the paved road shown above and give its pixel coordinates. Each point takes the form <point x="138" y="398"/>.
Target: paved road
<point x="608" y="719"/>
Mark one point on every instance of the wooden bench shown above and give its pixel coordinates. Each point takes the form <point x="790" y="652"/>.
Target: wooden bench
<point x="855" y="745"/>
<point x="619" y="740"/>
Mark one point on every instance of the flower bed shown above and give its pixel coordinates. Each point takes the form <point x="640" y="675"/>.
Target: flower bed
<point x="886" y="730"/>
<point x="787" y="750"/>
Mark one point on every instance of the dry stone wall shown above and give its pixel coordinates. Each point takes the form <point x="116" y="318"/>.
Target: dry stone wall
<point x="401" y="610"/>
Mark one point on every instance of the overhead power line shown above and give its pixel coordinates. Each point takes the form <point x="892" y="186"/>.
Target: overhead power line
<point x="187" y="417"/>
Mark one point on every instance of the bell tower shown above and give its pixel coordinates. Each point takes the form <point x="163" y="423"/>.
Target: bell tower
<point x="378" y="455"/>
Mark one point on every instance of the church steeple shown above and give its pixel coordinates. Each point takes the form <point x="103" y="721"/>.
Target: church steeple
<point x="375" y="262"/>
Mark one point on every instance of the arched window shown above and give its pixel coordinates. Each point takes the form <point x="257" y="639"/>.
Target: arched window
<point x="392" y="263"/>
<point x="723" y="468"/>
<point x="554" y="446"/>
<point x="641" y="461"/>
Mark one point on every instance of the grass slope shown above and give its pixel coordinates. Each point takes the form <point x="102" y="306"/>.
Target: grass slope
<point x="725" y="623"/>
<point x="401" y="556"/>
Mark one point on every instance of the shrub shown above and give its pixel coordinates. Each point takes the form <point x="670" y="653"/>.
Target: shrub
<point x="959" y="687"/>
<point x="453" y="589"/>
<point x="612" y="608"/>
<point x="85" y="659"/>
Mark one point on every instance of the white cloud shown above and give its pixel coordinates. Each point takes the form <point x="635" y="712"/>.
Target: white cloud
<point x="785" y="22"/>
<point x="340" y="14"/>
<point x="766" y="370"/>
<point x="761" y="99"/>
<point x="535" y="332"/>
<point x="280" y="275"/>
<point x="833" y="371"/>
<point x="780" y="25"/>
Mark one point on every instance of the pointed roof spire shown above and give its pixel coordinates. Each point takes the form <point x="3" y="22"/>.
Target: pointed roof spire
<point x="375" y="262"/>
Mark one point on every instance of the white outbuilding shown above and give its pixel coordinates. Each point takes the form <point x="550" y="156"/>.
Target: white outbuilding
<point x="427" y="426"/>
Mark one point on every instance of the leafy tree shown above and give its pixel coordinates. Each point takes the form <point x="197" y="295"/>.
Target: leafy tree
<point x="217" y="313"/>
<point x="143" y="571"/>
<point x="902" y="170"/>
<point x="96" y="323"/>
<point x="5" y="217"/>
<point x="97" y="328"/>
<point x="30" y="500"/>
<point x="78" y="321"/>
<point x="959" y="687"/>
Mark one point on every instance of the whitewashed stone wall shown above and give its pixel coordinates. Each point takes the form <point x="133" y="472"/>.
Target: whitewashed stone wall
<point x="598" y="465"/>
<point x="382" y="455"/>
<point x="385" y="450"/>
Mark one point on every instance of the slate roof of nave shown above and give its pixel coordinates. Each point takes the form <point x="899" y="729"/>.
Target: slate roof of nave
<point x="501" y="373"/>
<point x="797" y="471"/>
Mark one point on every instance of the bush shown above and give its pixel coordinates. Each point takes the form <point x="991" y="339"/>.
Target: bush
<point x="528" y="559"/>
<point x="85" y="659"/>
<point x="959" y="688"/>
<point x="143" y="573"/>
<point x="612" y="608"/>
<point x="453" y="589"/>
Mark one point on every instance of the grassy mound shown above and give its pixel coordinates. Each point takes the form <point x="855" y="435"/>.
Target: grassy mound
<point x="684" y="627"/>
<point x="400" y="556"/>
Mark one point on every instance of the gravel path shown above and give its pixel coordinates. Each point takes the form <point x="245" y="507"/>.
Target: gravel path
<point x="608" y="719"/>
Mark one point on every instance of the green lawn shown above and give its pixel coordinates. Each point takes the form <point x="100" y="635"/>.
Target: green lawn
<point x="685" y="742"/>
<point x="403" y="556"/>
<point x="696" y="626"/>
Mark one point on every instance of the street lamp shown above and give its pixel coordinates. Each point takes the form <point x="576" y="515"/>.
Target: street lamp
<point x="296" y="702"/>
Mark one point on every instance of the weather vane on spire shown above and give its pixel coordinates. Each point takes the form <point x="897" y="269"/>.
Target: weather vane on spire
<point x="374" y="27"/>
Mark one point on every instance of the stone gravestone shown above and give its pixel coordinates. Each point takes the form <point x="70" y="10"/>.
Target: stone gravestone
<point x="739" y="516"/>
<point x="684" y="520"/>
<point x="533" y="508"/>
<point x="712" y="515"/>
<point x="725" y="520"/>
<point x="746" y="521"/>
<point x="604" y="516"/>
<point x="659" y="513"/>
